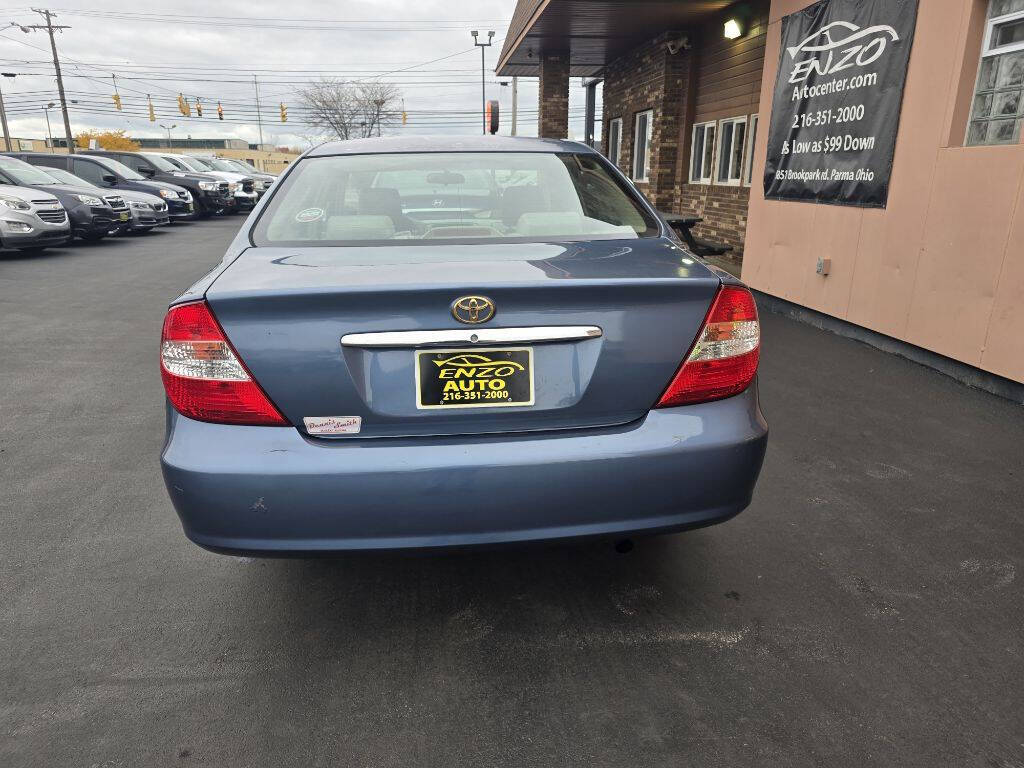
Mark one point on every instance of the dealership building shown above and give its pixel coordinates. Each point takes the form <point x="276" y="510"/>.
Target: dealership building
<point x="893" y="203"/>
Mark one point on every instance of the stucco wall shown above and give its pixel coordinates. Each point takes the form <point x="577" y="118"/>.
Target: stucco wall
<point x="942" y="266"/>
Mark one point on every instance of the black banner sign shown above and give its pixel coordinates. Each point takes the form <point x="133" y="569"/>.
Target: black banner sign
<point x="836" y="107"/>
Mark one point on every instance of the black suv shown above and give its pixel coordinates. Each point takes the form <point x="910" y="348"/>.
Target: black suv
<point x="108" y="172"/>
<point x="93" y="215"/>
<point x="210" y="194"/>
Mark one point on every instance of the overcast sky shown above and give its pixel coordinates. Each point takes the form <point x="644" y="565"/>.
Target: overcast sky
<point x="197" y="47"/>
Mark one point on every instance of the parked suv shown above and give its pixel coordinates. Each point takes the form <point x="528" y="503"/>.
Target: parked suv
<point x="93" y="215"/>
<point x="261" y="181"/>
<point x="148" y="211"/>
<point x="109" y="173"/>
<point x="31" y="220"/>
<point x="242" y="187"/>
<point x="210" y="194"/>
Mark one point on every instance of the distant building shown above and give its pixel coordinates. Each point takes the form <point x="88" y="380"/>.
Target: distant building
<point x="176" y="143"/>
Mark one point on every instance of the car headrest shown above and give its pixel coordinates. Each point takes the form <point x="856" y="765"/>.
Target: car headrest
<point x="359" y="228"/>
<point x="515" y="201"/>
<point x="380" y="200"/>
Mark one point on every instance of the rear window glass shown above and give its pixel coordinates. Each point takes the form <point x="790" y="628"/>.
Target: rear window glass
<point x="427" y="197"/>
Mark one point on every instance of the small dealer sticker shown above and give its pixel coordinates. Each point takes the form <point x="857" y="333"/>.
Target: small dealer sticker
<point x="333" y="425"/>
<point x="309" y="215"/>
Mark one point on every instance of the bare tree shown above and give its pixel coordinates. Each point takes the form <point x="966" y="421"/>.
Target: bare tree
<point x="349" y="110"/>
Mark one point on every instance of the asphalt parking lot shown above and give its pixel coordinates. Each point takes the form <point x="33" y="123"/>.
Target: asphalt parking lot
<point x="865" y="611"/>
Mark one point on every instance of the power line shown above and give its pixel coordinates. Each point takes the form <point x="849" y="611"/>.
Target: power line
<point x="281" y="24"/>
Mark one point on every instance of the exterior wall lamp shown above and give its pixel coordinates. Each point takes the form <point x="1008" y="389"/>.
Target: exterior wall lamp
<point x="733" y="28"/>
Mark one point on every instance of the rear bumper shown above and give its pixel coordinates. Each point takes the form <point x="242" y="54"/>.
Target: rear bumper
<point x="270" y="490"/>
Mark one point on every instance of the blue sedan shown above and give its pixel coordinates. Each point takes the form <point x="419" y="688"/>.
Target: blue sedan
<point x="418" y="342"/>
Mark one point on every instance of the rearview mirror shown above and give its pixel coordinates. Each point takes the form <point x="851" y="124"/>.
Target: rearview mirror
<point x="446" y="178"/>
<point x="109" y="178"/>
<point x="147" y="171"/>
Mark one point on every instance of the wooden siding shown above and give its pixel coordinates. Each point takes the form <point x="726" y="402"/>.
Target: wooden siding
<point x="729" y="71"/>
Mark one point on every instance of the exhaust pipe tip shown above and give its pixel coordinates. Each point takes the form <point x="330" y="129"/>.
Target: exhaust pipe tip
<point x="624" y="546"/>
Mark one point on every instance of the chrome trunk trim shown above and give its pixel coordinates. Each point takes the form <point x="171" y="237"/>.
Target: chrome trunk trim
<point x="531" y="335"/>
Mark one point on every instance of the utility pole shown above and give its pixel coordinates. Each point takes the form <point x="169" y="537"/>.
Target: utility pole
<point x="515" y="102"/>
<point x="259" y="118"/>
<point x="3" y="114"/>
<point x="50" y="28"/>
<point x="483" y="69"/>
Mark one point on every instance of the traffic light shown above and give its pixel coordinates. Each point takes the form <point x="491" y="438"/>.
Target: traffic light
<point x="181" y="104"/>
<point x="152" y="113"/>
<point x="199" y="108"/>
<point x="188" y="109"/>
<point x="117" y="101"/>
<point x="220" y="111"/>
<point x="284" y="113"/>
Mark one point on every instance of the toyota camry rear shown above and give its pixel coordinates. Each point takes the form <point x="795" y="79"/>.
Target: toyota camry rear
<point x="417" y="343"/>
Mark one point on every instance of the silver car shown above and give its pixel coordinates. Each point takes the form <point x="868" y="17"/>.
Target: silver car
<point x="31" y="220"/>
<point x="147" y="210"/>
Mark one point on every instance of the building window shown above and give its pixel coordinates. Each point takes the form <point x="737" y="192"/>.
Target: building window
<point x="998" y="107"/>
<point x="614" y="140"/>
<point x="748" y="174"/>
<point x="732" y="134"/>
<point x="642" y="145"/>
<point x="702" y="153"/>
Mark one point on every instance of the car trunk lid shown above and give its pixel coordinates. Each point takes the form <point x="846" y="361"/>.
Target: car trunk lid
<point x="285" y="310"/>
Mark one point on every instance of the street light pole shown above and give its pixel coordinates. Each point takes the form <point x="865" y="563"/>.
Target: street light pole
<point x="168" y="129"/>
<point x="483" y="69"/>
<point x="49" y="133"/>
<point x="259" y="117"/>
<point x="515" y="102"/>
<point x="3" y="114"/>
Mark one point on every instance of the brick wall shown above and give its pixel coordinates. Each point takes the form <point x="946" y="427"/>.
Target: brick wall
<point x="649" y="77"/>
<point x="724" y="210"/>
<point x="715" y="79"/>
<point x="553" y="96"/>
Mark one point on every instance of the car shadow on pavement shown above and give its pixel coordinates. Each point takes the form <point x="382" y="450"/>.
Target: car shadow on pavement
<point x="538" y="596"/>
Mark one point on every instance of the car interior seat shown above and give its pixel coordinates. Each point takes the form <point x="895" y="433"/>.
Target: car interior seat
<point x="515" y="201"/>
<point x="385" y="201"/>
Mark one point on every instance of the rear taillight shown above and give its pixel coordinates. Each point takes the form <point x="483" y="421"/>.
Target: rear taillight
<point x="203" y="377"/>
<point x="723" y="360"/>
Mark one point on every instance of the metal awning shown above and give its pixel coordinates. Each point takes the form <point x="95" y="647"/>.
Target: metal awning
<point x="594" y="32"/>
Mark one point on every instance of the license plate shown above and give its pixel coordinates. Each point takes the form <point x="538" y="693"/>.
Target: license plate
<point x="125" y="216"/>
<point x="474" y="378"/>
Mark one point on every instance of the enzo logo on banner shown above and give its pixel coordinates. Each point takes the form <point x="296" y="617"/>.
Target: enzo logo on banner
<point x="858" y="48"/>
<point x="837" y="99"/>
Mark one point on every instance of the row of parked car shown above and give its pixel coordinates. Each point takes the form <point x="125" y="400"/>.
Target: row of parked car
<point x="49" y="199"/>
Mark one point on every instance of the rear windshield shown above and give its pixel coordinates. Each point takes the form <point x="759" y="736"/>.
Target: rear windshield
<point x="426" y="197"/>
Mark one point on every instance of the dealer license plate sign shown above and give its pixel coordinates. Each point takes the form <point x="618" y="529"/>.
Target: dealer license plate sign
<point x="474" y="378"/>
